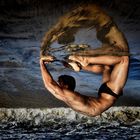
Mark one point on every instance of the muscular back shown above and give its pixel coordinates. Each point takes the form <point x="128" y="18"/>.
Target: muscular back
<point x="86" y="104"/>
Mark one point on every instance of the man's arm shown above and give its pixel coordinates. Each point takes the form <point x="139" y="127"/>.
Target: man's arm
<point x="49" y="83"/>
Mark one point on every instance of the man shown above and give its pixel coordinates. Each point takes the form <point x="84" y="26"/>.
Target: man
<point x="110" y="90"/>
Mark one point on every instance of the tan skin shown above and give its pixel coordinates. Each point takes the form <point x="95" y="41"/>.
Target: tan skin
<point x="87" y="105"/>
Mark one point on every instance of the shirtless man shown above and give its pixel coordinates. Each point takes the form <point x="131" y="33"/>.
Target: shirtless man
<point x="114" y="44"/>
<point x="113" y="82"/>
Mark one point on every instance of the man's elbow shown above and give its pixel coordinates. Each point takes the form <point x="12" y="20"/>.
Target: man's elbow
<point x="51" y="88"/>
<point x="49" y="84"/>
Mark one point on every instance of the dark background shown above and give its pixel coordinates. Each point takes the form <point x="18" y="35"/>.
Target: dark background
<point x="23" y="24"/>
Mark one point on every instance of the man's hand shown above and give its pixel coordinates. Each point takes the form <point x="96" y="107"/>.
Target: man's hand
<point x="47" y="59"/>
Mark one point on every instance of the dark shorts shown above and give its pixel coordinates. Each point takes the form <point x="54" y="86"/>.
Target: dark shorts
<point x="105" y="89"/>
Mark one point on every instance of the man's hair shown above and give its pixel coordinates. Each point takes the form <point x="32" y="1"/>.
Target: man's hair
<point x="68" y="80"/>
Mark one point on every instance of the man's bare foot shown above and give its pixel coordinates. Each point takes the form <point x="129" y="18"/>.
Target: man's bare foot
<point x="75" y="66"/>
<point x="82" y="60"/>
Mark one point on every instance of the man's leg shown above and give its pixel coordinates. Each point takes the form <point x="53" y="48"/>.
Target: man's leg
<point x="99" y="60"/>
<point x="106" y="74"/>
<point x="119" y="75"/>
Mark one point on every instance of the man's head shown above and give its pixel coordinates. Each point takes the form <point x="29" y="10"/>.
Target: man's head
<point x="67" y="82"/>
